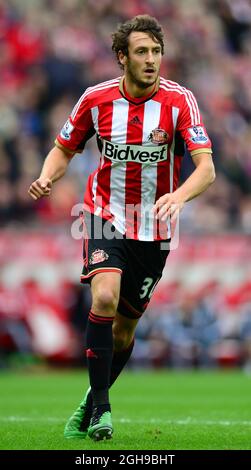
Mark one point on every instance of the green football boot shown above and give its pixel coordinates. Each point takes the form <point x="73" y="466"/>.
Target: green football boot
<point x="78" y="424"/>
<point x="101" y="425"/>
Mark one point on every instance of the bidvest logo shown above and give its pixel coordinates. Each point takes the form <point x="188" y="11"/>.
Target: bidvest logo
<point x="134" y="153"/>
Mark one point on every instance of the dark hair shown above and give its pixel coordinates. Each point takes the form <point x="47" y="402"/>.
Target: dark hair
<point x="141" y="23"/>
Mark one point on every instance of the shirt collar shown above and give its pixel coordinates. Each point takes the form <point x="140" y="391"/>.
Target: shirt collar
<point x="134" y="99"/>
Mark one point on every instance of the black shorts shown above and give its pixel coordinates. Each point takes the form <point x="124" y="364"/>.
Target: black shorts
<point x="139" y="262"/>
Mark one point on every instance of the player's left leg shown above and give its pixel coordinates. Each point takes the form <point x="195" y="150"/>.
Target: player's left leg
<point x="123" y="342"/>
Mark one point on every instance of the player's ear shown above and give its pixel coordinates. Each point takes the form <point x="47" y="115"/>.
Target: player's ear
<point x="122" y="58"/>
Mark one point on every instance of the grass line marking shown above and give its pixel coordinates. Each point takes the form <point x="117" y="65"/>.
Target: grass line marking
<point x="182" y="422"/>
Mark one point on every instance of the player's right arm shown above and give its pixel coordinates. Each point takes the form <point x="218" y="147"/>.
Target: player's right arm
<point x="54" y="168"/>
<point x="71" y="139"/>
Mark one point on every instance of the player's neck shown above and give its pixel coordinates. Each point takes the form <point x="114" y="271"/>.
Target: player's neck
<point x="133" y="90"/>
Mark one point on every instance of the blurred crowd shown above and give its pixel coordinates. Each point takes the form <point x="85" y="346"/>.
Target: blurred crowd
<point x="50" y="51"/>
<point x="202" y="327"/>
<point x="183" y="328"/>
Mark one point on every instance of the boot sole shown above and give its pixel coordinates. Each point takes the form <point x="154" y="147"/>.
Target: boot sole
<point x="101" y="434"/>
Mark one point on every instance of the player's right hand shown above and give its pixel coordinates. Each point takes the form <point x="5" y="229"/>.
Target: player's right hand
<point x="39" y="188"/>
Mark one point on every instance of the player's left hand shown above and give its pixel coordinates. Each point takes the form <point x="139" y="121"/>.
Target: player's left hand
<point x="168" y="205"/>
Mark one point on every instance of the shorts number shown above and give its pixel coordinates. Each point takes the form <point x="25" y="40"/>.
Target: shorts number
<point x="148" y="287"/>
<point x="147" y="284"/>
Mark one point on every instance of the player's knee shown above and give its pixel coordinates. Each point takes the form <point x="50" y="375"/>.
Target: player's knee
<point x="105" y="301"/>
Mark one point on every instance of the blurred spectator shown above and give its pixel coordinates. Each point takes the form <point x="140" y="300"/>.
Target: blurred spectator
<point x="184" y="336"/>
<point x="245" y="334"/>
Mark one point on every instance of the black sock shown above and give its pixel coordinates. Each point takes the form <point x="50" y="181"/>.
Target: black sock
<point x="119" y="361"/>
<point x="99" y="351"/>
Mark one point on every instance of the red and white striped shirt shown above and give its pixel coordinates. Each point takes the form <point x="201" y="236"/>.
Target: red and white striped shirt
<point x="141" y="144"/>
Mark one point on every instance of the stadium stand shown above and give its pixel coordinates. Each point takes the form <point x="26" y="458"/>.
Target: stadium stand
<point x="50" y="51"/>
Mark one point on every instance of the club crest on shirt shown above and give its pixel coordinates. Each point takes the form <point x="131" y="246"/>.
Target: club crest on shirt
<point x="198" y="135"/>
<point x="98" y="256"/>
<point x="158" y="136"/>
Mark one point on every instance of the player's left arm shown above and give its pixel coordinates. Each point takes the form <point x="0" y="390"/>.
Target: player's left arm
<point x="202" y="177"/>
<point x="193" y="132"/>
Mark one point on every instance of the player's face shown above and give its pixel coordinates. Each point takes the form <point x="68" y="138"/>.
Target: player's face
<point x="142" y="64"/>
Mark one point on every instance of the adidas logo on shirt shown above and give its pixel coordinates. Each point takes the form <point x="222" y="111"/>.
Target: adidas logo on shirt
<point x="135" y="120"/>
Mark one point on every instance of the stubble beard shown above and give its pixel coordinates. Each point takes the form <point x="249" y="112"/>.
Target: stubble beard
<point x="139" y="83"/>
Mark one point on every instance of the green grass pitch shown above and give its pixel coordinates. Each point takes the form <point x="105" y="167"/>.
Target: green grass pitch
<point x="164" y="410"/>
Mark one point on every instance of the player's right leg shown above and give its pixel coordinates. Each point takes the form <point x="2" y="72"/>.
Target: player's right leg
<point x="123" y="341"/>
<point x="99" y="342"/>
<point x="104" y="261"/>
